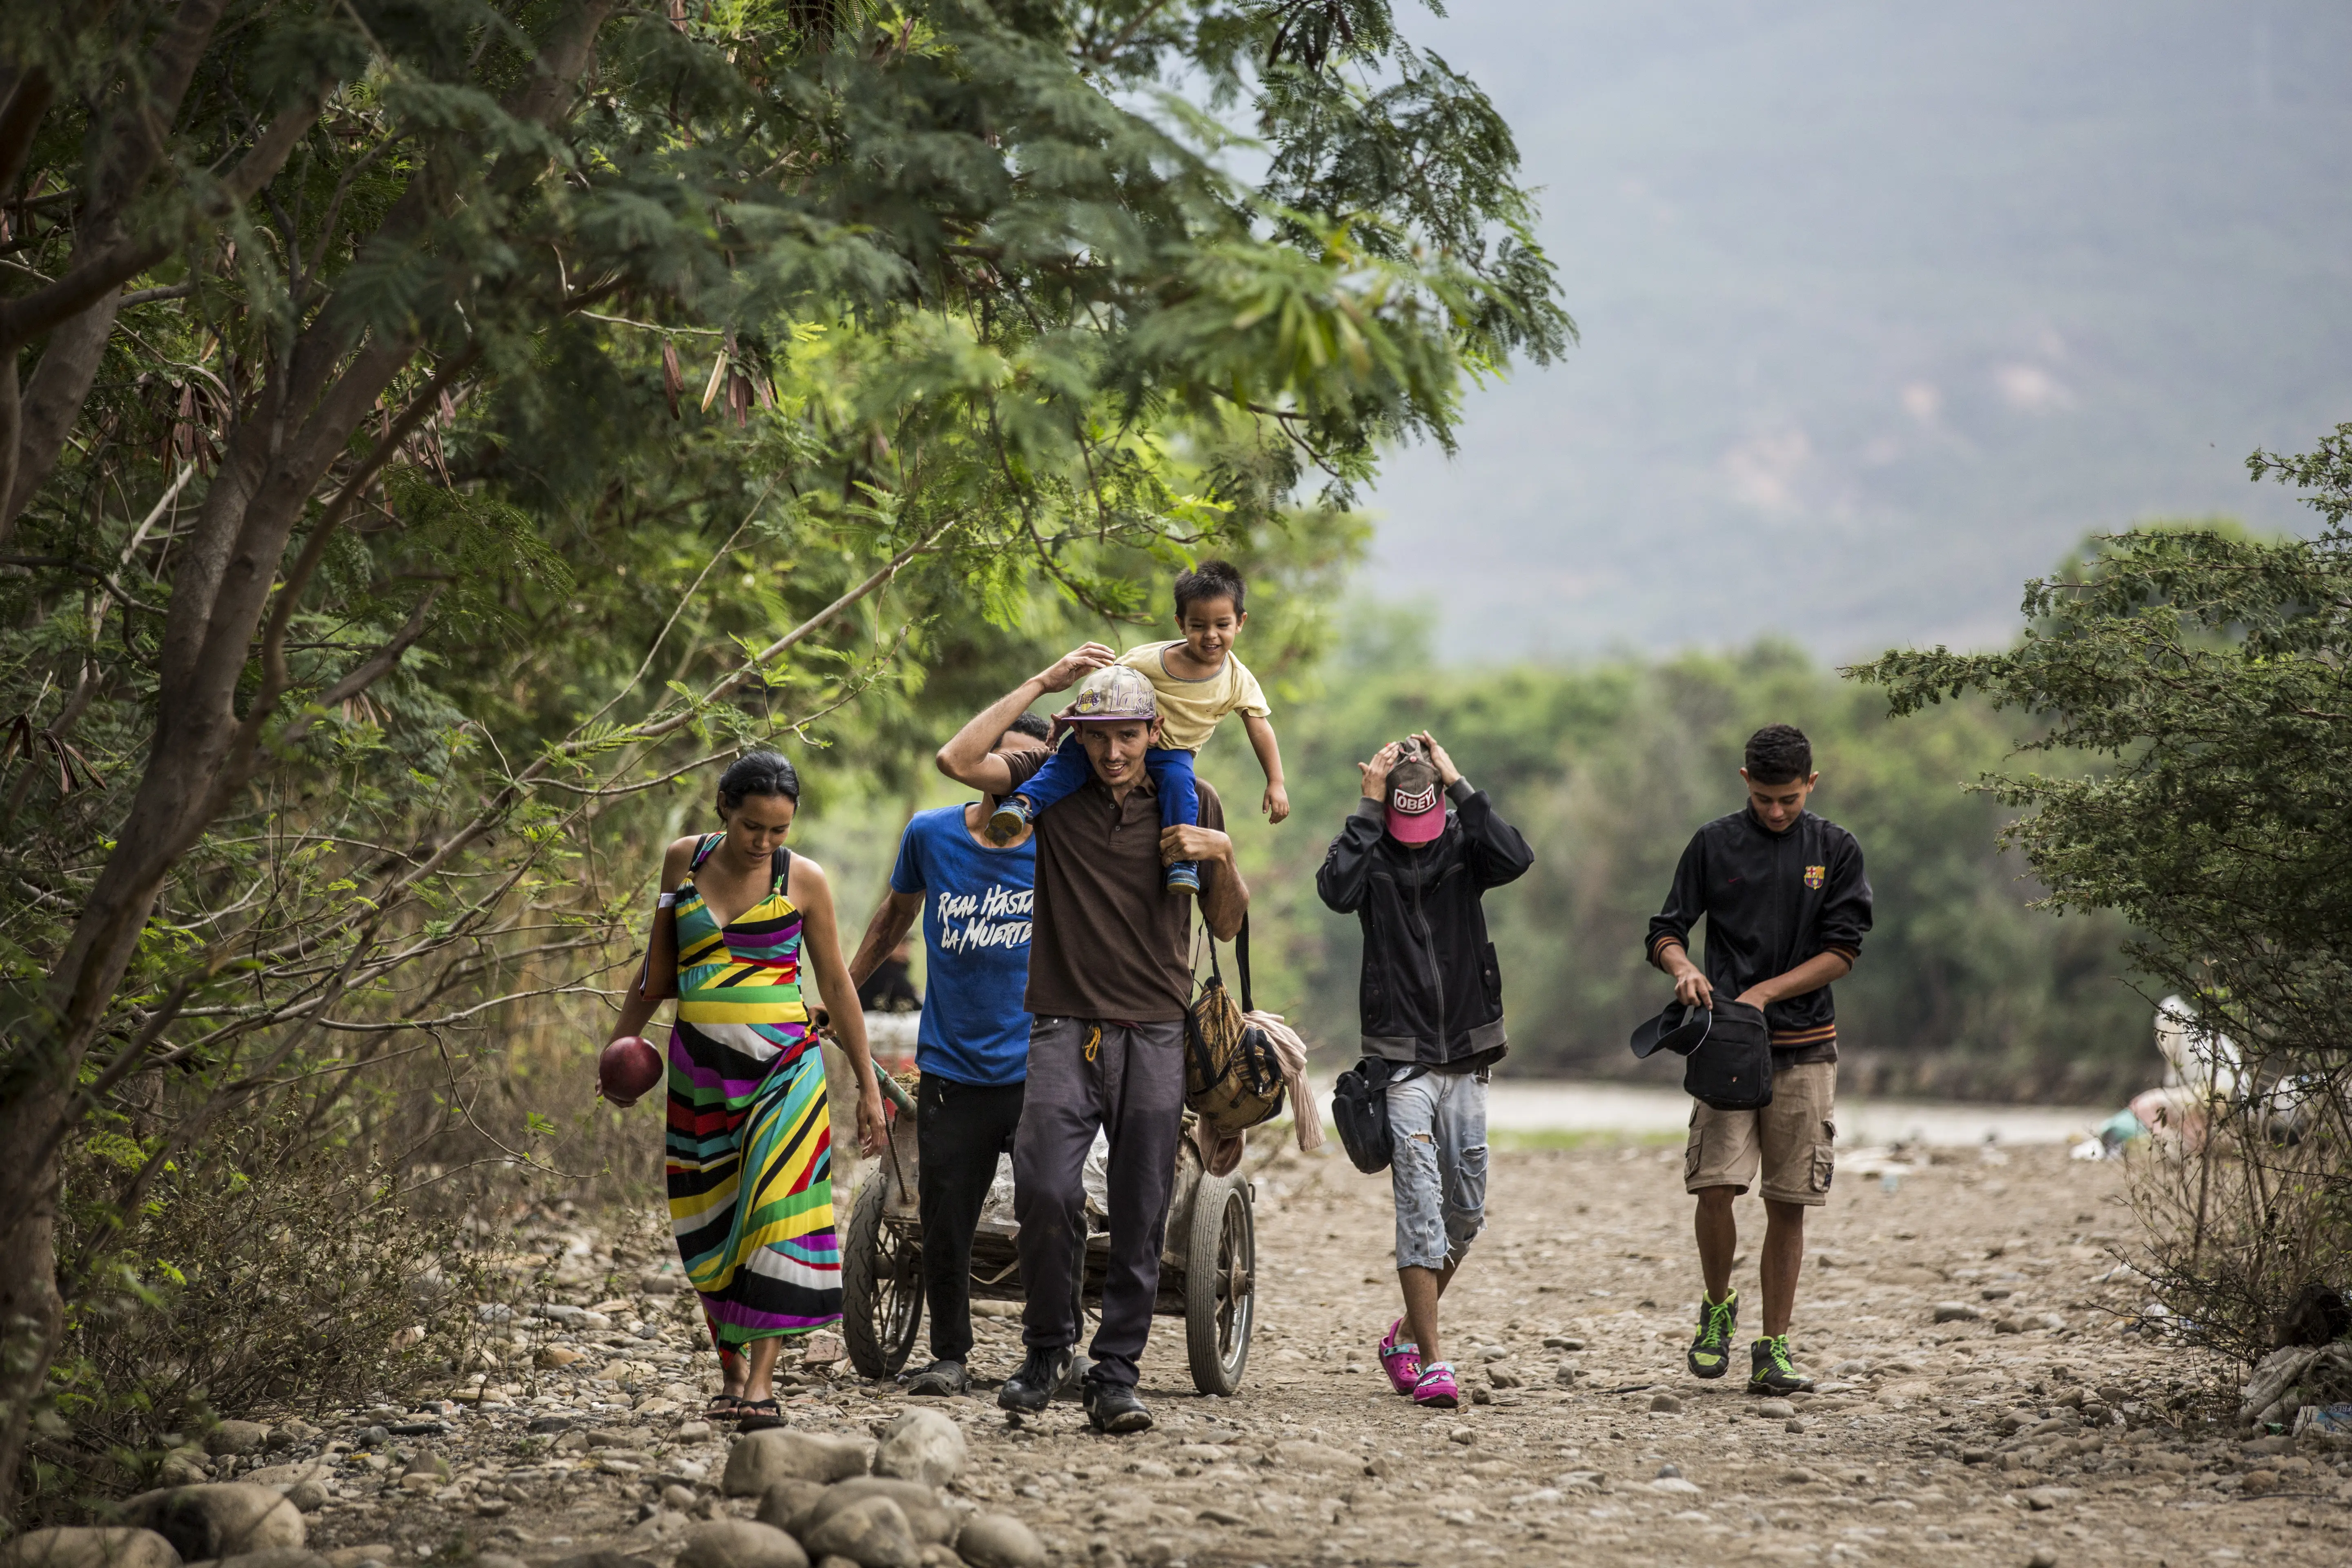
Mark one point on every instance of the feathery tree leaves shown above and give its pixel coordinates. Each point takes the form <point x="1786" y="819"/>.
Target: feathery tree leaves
<point x="428" y="425"/>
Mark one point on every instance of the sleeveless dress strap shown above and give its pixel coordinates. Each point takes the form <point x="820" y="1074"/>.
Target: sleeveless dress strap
<point x="779" y="870"/>
<point x="702" y="850"/>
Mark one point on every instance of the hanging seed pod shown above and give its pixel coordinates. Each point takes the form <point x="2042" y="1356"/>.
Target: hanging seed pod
<point x="73" y="768"/>
<point x="718" y="375"/>
<point x="673" y="379"/>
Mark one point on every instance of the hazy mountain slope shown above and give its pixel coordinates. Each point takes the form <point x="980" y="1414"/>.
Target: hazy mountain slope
<point x="1883" y="308"/>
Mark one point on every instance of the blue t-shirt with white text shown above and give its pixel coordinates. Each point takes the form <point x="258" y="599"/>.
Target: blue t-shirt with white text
<point x="976" y="924"/>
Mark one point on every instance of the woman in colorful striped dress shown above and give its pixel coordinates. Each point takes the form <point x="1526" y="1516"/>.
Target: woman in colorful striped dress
<point x="749" y="1144"/>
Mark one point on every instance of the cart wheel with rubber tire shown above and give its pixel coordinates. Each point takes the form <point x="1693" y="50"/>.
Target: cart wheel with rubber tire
<point x="1220" y="1284"/>
<point x="881" y="1286"/>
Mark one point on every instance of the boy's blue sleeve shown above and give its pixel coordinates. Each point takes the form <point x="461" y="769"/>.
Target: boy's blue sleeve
<point x="1060" y="776"/>
<point x="1180" y="795"/>
<point x="906" y="875"/>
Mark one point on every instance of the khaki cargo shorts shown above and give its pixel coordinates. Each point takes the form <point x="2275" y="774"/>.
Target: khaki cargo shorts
<point x="1793" y="1140"/>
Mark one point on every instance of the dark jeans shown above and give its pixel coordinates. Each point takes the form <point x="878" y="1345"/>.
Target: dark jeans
<point x="960" y="1130"/>
<point x="1133" y="1088"/>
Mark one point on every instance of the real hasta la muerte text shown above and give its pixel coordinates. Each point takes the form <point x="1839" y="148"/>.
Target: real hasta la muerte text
<point x="996" y="918"/>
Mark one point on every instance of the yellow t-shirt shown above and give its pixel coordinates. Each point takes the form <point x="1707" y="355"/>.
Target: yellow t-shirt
<point x="1189" y="710"/>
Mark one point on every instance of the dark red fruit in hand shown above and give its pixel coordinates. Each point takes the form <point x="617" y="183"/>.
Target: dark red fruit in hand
<point x="627" y="1070"/>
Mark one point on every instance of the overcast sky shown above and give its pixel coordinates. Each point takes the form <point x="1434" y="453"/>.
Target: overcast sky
<point x="1883" y="307"/>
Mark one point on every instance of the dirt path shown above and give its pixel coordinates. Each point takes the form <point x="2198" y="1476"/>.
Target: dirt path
<point x="2034" y="1433"/>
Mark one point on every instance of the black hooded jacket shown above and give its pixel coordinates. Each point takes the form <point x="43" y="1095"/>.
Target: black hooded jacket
<point x="1431" y="992"/>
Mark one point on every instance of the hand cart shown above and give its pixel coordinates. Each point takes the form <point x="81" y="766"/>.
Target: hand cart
<point x="1208" y="1265"/>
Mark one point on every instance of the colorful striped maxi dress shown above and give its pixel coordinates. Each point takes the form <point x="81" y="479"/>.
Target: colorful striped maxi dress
<point x="749" y="1144"/>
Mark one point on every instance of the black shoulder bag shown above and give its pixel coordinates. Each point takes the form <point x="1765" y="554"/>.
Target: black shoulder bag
<point x="1732" y="1070"/>
<point x="1359" y="1105"/>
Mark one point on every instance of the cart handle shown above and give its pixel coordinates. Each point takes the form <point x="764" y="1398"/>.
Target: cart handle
<point x="894" y="1091"/>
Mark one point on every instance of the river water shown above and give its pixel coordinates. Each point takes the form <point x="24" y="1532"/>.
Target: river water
<point x="1570" y="1105"/>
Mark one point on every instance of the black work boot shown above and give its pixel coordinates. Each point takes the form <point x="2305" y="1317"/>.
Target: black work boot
<point x="941" y="1379"/>
<point x="1113" y="1407"/>
<point x="1031" y="1389"/>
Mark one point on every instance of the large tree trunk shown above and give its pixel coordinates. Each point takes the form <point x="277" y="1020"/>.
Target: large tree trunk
<point x="203" y="749"/>
<point x="31" y="1315"/>
<point x="52" y="403"/>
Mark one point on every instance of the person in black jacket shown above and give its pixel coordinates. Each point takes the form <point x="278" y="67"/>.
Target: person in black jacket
<point x="1432" y="1008"/>
<point x="1786" y="905"/>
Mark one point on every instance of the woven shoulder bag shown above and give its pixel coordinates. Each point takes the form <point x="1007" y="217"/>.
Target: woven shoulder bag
<point x="1232" y="1078"/>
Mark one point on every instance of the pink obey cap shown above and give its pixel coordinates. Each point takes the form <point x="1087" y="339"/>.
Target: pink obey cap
<point x="1416" y="811"/>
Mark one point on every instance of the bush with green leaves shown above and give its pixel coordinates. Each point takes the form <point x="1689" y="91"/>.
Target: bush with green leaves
<point x="261" y="1271"/>
<point x="2208" y="671"/>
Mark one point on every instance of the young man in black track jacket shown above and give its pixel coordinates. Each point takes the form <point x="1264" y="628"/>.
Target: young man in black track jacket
<point x="1786" y="905"/>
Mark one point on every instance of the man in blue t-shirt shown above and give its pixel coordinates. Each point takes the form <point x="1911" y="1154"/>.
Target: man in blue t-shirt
<point x="973" y="1043"/>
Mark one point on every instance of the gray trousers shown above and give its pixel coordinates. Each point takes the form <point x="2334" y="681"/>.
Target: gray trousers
<point x="1132" y="1085"/>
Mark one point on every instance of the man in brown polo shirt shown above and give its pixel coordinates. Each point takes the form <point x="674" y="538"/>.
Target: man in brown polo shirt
<point x="1110" y="974"/>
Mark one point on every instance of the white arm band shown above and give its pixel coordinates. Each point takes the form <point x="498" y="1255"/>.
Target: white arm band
<point x="665" y="900"/>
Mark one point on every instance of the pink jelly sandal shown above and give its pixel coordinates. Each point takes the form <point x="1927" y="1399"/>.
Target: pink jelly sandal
<point x="1436" y="1388"/>
<point x="1400" y="1359"/>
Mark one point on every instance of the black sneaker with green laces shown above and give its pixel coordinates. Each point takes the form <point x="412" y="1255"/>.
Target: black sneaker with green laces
<point x="1769" y="1370"/>
<point x="1710" y="1353"/>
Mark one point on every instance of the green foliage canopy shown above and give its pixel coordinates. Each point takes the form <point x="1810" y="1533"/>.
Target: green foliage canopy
<point x="369" y="563"/>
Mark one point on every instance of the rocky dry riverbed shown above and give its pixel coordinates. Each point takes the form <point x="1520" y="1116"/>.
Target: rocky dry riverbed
<point x="1977" y="1403"/>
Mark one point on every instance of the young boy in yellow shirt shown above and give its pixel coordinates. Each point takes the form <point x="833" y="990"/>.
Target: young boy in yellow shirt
<point x="1198" y="681"/>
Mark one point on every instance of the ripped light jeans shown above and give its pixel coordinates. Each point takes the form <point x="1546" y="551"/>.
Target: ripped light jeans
<point x="1439" y="1172"/>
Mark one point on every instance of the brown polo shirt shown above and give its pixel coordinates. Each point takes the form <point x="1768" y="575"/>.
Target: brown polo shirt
<point x="1107" y="940"/>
